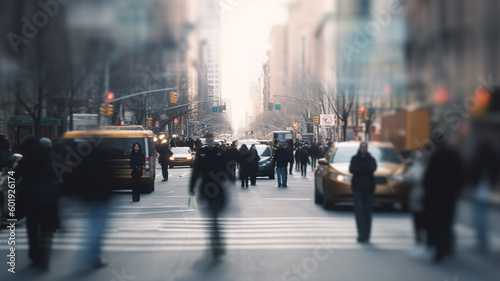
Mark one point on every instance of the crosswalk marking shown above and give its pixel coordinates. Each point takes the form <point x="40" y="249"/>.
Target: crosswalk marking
<point x="277" y="233"/>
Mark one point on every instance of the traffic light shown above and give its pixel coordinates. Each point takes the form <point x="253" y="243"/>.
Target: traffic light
<point x="109" y="110"/>
<point x="150" y="122"/>
<point x="110" y="96"/>
<point x="103" y="109"/>
<point x="361" y="111"/>
<point x="173" y="97"/>
<point x="316" y="120"/>
<point x="366" y="115"/>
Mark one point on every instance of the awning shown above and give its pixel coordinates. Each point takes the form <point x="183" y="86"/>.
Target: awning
<point x="28" y="121"/>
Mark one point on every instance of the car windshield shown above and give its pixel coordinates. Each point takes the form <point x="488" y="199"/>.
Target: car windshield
<point x="263" y="150"/>
<point x="180" y="150"/>
<point x="118" y="148"/>
<point x="381" y="154"/>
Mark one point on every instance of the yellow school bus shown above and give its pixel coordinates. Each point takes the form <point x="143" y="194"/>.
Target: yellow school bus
<point x="119" y="143"/>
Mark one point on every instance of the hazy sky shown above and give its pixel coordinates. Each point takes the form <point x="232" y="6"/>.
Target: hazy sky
<point x="245" y="40"/>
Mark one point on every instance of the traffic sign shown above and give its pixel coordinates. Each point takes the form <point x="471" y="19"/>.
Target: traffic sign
<point x="327" y="119"/>
<point x="277" y="106"/>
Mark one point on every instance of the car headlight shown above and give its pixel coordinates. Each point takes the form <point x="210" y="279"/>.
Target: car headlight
<point x="265" y="162"/>
<point x="171" y="158"/>
<point x="155" y="139"/>
<point x="189" y="157"/>
<point x="340" y="177"/>
<point x="398" y="177"/>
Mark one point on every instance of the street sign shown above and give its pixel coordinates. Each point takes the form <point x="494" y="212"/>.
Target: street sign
<point x="277" y="106"/>
<point x="214" y="108"/>
<point x="357" y="129"/>
<point x="327" y="119"/>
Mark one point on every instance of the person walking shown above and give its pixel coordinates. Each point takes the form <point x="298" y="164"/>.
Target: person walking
<point x="289" y="151"/>
<point x="281" y="158"/>
<point x="210" y="166"/>
<point x="254" y="164"/>
<point x="244" y="160"/>
<point x="232" y="157"/>
<point x="443" y="182"/>
<point x="314" y="153"/>
<point x="164" y="158"/>
<point x="362" y="167"/>
<point x="414" y="176"/>
<point x="39" y="190"/>
<point x="297" y="158"/>
<point x="304" y="159"/>
<point x="137" y="161"/>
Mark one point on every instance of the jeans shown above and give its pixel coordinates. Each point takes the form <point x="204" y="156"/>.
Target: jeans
<point x="282" y="176"/>
<point x="97" y="215"/>
<point x="363" y="208"/>
<point x="313" y="162"/>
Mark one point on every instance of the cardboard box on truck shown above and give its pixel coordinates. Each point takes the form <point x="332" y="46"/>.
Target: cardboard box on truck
<point x="406" y="129"/>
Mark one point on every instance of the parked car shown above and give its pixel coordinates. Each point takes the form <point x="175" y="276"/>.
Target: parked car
<point x="183" y="156"/>
<point x="266" y="162"/>
<point x="332" y="180"/>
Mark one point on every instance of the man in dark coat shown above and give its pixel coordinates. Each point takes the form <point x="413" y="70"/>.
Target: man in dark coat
<point x="314" y="153"/>
<point x="362" y="167"/>
<point x="289" y="151"/>
<point x="244" y="160"/>
<point x="164" y="158"/>
<point x="40" y="192"/>
<point x="281" y="158"/>
<point x="443" y="182"/>
<point x="304" y="159"/>
<point x="232" y="158"/>
<point x="210" y="166"/>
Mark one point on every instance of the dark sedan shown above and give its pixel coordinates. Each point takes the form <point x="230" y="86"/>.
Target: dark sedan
<point x="266" y="162"/>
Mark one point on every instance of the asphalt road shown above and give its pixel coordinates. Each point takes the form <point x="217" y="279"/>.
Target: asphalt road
<point x="270" y="234"/>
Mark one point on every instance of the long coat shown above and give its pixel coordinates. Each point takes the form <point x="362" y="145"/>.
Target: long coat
<point x="210" y="166"/>
<point x="362" y="169"/>
<point x="165" y="154"/>
<point x="245" y="161"/>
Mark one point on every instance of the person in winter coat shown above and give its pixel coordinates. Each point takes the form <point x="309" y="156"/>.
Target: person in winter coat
<point x="281" y="158"/>
<point x="314" y="153"/>
<point x="304" y="159"/>
<point x="362" y="167"/>
<point x="254" y="165"/>
<point x="289" y="151"/>
<point x="443" y="182"/>
<point x="415" y="176"/>
<point x="244" y="160"/>
<point x="164" y="158"/>
<point x="210" y="166"/>
<point x="232" y="158"/>
<point x="137" y="160"/>
<point x="297" y="158"/>
<point x="40" y="192"/>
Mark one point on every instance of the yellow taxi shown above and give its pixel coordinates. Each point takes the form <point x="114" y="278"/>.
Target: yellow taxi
<point x="119" y="143"/>
<point x="332" y="180"/>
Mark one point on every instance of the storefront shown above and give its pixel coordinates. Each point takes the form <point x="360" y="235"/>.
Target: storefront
<point x="20" y="127"/>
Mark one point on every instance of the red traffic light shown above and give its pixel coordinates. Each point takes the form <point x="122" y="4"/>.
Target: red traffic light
<point x="176" y="121"/>
<point x="110" y="96"/>
<point x="362" y="108"/>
